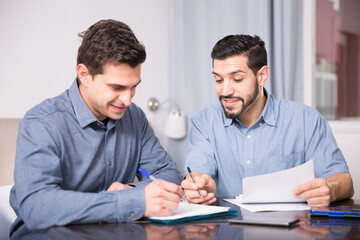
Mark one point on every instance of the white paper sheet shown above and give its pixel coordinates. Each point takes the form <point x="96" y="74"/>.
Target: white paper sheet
<point x="190" y="210"/>
<point x="273" y="191"/>
<point x="276" y="187"/>
<point x="261" y="207"/>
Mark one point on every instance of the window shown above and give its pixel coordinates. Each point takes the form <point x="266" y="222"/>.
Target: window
<point x="337" y="67"/>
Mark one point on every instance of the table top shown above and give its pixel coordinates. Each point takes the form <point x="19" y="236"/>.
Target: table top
<point x="219" y="228"/>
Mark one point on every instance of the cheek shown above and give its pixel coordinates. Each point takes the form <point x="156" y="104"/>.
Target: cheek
<point x="107" y="96"/>
<point x="218" y="89"/>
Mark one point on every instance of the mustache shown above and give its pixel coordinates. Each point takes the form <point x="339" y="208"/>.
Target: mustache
<point x="231" y="97"/>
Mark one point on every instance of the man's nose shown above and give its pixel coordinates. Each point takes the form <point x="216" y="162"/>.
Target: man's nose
<point x="126" y="97"/>
<point x="227" y="89"/>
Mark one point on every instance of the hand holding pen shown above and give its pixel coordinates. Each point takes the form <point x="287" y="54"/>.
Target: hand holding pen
<point x="161" y="196"/>
<point x="199" y="188"/>
<point x="192" y="178"/>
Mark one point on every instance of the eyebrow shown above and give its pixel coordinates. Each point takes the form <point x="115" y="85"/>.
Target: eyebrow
<point x="138" y="83"/>
<point x="119" y="85"/>
<point x="231" y="73"/>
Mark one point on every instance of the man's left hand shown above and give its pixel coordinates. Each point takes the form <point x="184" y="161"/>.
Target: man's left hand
<point x="116" y="186"/>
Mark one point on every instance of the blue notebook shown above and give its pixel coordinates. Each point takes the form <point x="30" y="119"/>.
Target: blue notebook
<point x="336" y="212"/>
<point x="189" y="212"/>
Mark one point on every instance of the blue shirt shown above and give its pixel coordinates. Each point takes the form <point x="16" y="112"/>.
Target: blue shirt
<point x="286" y="135"/>
<point x="66" y="159"/>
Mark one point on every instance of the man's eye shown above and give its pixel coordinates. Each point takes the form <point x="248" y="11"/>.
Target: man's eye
<point x="237" y="80"/>
<point x="117" y="88"/>
<point x="218" y="80"/>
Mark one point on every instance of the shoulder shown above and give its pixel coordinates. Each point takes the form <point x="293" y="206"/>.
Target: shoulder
<point x="51" y="108"/>
<point x="289" y="108"/>
<point x="214" y="112"/>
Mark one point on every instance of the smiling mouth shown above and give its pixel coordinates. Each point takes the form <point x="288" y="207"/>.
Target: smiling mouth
<point x="230" y="101"/>
<point x="119" y="109"/>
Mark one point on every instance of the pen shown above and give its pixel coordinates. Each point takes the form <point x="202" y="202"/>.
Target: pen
<point x="335" y="213"/>
<point x="192" y="177"/>
<point x="152" y="178"/>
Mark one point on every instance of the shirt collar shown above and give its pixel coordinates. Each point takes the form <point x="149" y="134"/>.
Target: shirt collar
<point x="82" y="111"/>
<point x="268" y="113"/>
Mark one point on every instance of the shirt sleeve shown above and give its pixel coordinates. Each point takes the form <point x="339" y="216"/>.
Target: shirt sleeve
<point x="200" y="155"/>
<point x="154" y="159"/>
<point x="322" y="148"/>
<point x="41" y="203"/>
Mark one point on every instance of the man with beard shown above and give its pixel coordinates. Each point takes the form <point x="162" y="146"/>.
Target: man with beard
<point x="250" y="132"/>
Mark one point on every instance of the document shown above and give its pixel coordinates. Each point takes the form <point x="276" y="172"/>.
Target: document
<point x="188" y="212"/>
<point x="273" y="191"/>
<point x="263" y="207"/>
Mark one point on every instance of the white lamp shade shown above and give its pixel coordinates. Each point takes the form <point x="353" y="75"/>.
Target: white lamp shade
<point x="175" y="126"/>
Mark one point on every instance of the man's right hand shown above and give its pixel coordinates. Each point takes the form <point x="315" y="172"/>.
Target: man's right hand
<point x="161" y="197"/>
<point x="204" y="183"/>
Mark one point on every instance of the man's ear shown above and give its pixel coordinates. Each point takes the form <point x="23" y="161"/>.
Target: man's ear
<point x="262" y="75"/>
<point x="83" y="74"/>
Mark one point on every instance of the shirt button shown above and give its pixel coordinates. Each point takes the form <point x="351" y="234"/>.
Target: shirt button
<point x="248" y="162"/>
<point x="260" y="124"/>
<point x="248" y="136"/>
<point x="110" y="163"/>
<point x="132" y="215"/>
<point x="98" y="124"/>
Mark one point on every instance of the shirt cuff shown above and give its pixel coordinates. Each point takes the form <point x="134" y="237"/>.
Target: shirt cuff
<point x="131" y="204"/>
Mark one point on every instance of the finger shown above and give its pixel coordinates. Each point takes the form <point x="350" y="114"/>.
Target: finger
<point x="194" y="194"/>
<point x="164" y="212"/>
<point x="168" y="187"/>
<point x="170" y="205"/>
<point x="209" y="202"/>
<point x="323" y="201"/>
<point x="189" y="184"/>
<point x="202" y="180"/>
<point x="322" y="191"/>
<point x="312" y="184"/>
<point x="111" y="188"/>
<point x="208" y="199"/>
<point x="114" y="186"/>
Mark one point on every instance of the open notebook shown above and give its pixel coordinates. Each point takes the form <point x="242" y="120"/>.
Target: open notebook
<point x="188" y="212"/>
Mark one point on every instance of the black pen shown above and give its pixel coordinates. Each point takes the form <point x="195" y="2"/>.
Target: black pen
<point x="192" y="177"/>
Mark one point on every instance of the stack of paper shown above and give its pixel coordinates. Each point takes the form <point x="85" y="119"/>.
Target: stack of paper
<point x="273" y="191"/>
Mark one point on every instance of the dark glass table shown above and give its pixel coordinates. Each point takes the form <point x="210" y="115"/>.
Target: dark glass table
<point x="218" y="228"/>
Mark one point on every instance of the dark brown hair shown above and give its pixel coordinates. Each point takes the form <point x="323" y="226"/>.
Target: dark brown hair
<point x="109" y="41"/>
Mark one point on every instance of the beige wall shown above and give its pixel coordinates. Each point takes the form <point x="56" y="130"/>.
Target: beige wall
<point x="8" y="130"/>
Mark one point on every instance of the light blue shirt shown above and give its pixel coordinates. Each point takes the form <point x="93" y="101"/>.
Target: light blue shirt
<point x="66" y="159"/>
<point x="286" y="135"/>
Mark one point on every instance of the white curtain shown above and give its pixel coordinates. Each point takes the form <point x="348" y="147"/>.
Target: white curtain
<point x="199" y="24"/>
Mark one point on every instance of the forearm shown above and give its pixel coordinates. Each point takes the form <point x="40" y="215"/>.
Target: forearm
<point x="56" y="207"/>
<point x="341" y="186"/>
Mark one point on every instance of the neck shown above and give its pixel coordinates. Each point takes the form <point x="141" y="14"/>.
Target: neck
<point x="250" y="117"/>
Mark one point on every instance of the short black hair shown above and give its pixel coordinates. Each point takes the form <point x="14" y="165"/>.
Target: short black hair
<point x="250" y="46"/>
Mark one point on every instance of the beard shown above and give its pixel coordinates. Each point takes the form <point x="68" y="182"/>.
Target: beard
<point x="229" y="113"/>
